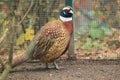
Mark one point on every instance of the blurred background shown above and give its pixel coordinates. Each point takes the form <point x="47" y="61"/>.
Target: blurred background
<point x="96" y="25"/>
<point x="97" y="29"/>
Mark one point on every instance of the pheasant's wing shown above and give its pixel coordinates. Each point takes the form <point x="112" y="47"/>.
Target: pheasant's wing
<point x="51" y="37"/>
<point x="43" y="43"/>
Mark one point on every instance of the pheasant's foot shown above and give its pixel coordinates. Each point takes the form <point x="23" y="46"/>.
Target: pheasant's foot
<point x="47" y="66"/>
<point x="56" y="66"/>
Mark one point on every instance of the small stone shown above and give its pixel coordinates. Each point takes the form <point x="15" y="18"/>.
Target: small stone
<point x="50" y="75"/>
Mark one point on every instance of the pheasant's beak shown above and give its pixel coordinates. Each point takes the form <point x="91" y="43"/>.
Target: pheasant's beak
<point x="71" y="11"/>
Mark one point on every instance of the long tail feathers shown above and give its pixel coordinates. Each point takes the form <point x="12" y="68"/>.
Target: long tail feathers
<point x="19" y="59"/>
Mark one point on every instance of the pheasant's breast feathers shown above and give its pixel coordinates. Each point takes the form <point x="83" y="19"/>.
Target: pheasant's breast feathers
<point x="52" y="41"/>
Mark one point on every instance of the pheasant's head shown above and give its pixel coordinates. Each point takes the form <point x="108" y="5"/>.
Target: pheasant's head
<point x="66" y="14"/>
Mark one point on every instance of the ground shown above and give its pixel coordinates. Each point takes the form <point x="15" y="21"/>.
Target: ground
<point x="71" y="70"/>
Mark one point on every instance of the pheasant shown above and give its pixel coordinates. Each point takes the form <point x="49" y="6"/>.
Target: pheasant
<point x="51" y="41"/>
<point x="54" y="38"/>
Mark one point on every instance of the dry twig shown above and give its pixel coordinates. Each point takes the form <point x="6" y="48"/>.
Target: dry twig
<point x="4" y="35"/>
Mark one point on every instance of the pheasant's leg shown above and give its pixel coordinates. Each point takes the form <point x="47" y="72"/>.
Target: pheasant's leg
<point x="47" y="65"/>
<point x="55" y="64"/>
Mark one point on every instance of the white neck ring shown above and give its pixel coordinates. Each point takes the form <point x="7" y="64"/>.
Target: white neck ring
<point x="65" y="19"/>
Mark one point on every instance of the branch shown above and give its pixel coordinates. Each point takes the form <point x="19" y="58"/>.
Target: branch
<point x="5" y="72"/>
<point x="32" y="2"/>
<point x="17" y="60"/>
<point x="8" y="65"/>
<point x="2" y="64"/>
<point x="4" y="35"/>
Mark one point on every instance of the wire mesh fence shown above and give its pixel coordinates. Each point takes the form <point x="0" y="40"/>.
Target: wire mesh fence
<point x="97" y="29"/>
<point x="97" y="25"/>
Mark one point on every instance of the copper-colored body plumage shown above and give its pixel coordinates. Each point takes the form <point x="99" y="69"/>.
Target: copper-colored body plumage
<point x="53" y="40"/>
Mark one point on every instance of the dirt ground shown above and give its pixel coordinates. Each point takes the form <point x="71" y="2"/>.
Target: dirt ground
<point x="71" y="70"/>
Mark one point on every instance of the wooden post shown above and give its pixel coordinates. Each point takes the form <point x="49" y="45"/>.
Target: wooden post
<point x="71" y="50"/>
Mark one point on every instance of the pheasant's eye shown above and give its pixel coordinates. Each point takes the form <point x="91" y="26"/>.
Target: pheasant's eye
<point x="65" y="12"/>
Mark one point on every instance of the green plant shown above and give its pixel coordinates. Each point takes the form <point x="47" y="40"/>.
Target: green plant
<point x="96" y="31"/>
<point x="90" y="44"/>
